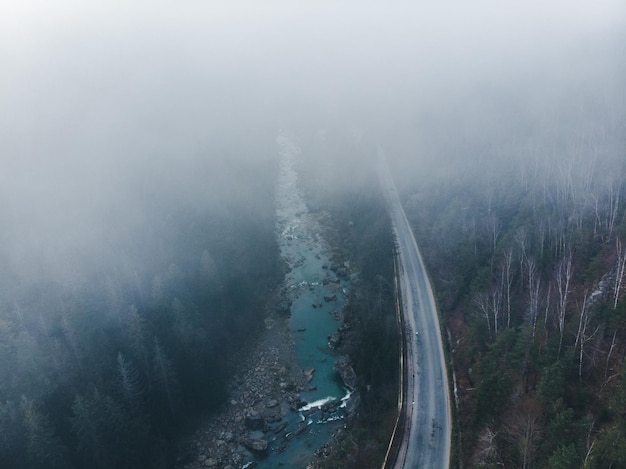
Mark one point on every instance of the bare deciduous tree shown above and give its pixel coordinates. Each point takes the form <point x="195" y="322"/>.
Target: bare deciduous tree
<point x="541" y="234"/>
<point x="547" y="307"/>
<point x="563" y="276"/>
<point x="484" y="309"/>
<point x="534" y="286"/>
<point x="489" y="306"/>
<point x="608" y="357"/>
<point x="486" y="453"/>
<point x="581" y="335"/>
<point x="521" y="237"/>
<point x="614" y="197"/>
<point x="524" y="429"/>
<point x="495" y="227"/>
<point x="496" y="303"/>
<point x="620" y="268"/>
<point x="508" y="283"/>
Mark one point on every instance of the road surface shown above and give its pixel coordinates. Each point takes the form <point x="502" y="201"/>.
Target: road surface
<point x="425" y="432"/>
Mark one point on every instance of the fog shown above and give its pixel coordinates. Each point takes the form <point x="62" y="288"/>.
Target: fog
<point x="138" y="161"/>
<point x="105" y="104"/>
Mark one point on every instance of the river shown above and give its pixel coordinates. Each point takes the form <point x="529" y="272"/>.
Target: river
<point x="317" y="294"/>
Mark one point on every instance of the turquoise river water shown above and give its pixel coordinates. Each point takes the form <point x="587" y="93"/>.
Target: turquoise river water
<point x="307" y="283"/>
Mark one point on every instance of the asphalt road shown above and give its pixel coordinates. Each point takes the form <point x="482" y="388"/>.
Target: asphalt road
<point x="426" y="433"/>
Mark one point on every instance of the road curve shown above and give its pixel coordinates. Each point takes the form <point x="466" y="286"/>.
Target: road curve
<point x="425" y="422"/>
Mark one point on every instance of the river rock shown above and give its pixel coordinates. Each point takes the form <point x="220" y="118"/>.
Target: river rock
<point x="254" y="421"/>
<point x="331" y="406"/>
<point x="271" y="417"/>
<point x="329" y="298"/>
<point x="308" y="374"/>
<point x="257" y="445"/>
<point x="334" y="340"/>
<point x="280" y="427"/>
<point x="345" y="371"/>
<point x="303" y="427"/>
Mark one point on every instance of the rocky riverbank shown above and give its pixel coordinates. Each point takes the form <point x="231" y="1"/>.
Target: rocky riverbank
<point x="263" y="393"/>
<point x="264" y="389"/>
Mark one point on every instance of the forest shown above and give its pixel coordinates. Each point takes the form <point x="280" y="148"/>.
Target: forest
<point x="111" y="351"/>
<point x="522" y="222"/>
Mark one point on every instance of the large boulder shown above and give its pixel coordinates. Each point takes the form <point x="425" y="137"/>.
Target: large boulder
<point x="334" y="340"/>
<point x="257" y="445"/>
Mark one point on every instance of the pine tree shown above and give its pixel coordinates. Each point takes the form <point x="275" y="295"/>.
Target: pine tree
<point x="44" y="448"/>
<point x="128" y="380"/>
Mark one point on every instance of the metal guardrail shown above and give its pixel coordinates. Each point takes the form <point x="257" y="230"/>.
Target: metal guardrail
<point x="398" y="430"/>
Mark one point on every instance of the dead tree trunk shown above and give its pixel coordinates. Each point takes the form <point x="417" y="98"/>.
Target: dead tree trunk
<point x="547" y="310"/>
<point x="563" y="277"/>
<point x="534" y="285"/>
<point x="620" y="268"/>
<point x="483" y="303"/>
<point x="508" y="262"/>
<point x="614" y="196"/>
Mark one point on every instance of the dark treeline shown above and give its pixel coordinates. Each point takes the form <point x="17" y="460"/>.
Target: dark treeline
<point x="339" y="174"/>
<point x="110" y="349"/>
<point x="523" y="225"/>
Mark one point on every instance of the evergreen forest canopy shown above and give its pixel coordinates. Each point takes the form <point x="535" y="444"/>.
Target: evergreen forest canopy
<point x="109" y="348"/>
